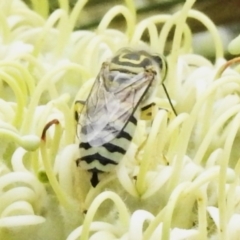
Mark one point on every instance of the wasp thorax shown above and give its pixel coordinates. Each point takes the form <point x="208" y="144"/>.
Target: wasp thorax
<point x="133" y="62"/>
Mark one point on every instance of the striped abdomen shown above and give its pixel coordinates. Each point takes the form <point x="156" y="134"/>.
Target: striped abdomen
<point x="104" y="158"/>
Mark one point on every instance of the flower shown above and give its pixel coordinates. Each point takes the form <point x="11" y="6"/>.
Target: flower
<point x="180" y="176"/>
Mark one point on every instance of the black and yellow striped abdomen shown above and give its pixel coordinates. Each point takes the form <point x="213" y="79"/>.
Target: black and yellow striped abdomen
<point x="104" y="158"/>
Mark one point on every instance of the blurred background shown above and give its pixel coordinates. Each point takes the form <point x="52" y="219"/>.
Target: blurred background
<point x="224" y="13"/>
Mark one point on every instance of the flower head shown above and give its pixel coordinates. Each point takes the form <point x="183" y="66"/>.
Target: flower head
<point x="180" y="176"/>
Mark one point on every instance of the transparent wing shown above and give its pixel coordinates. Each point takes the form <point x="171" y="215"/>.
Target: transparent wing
<point x="109" y="106"/>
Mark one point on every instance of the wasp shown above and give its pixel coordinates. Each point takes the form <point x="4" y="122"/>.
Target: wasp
<point x="119" y="96"/>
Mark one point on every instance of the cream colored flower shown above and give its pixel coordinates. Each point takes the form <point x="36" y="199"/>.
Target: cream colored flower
<point x="180" y="176"/>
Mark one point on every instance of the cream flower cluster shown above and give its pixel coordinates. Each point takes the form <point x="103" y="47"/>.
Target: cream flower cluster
<point x="180" y="177"/>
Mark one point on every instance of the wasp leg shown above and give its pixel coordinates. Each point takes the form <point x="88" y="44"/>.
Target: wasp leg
<point x="78" y="162"/>
<point x="149" y="111"/>
<point x="78" y="106"/>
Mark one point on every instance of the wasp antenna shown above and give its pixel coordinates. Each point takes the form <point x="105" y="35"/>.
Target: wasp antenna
<point x="76" y="117"/>
<point x="169" y="99"/>
<point x="78" y="106"/>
